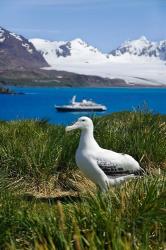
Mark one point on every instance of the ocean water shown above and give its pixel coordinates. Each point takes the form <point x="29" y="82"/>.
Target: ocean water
<point x="38" y="103"/>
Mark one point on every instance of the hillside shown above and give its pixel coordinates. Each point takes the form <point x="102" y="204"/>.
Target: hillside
<point x="41" y="77"/>
<point x="16" y="52"/>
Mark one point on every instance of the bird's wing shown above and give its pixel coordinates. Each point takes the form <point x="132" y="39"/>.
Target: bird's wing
<point x="112" y="169"/>
<point x="116" y="165"/>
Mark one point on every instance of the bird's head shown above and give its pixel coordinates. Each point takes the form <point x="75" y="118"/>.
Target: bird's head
<point x="82" y="123"/>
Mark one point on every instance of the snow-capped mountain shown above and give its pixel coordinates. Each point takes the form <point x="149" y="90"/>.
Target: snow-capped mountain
<point x="136" y="62"/>
<point x="139" y="61"/>
<point x="17" y="52"/>
<point x="78" y="51"/>
<point x="142" y="47"/>
<point x="73" y="52"/>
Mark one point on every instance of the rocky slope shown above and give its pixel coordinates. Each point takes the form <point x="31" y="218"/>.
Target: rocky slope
<point x="16" y="52"/>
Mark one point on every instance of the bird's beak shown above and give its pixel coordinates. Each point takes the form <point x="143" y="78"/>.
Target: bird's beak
<point x="72" y="127"/>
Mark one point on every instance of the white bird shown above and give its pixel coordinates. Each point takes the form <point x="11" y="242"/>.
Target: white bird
<point x="103" y="167"/>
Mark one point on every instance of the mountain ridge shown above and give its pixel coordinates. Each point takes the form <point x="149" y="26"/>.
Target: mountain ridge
<point x="21" y="63"/>
<point x="142" y="47"/>
<point x="133" y="63"/>
<point x="77" y="49"/>
<point x="137" y="61"/>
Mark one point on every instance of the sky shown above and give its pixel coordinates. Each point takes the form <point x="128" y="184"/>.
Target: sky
<point x="104" y="24"/>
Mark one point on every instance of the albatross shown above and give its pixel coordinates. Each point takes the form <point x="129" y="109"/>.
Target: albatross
<point x="104" y="167"/>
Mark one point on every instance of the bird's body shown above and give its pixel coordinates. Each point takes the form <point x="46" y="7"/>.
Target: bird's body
<point x="104" y="167"/>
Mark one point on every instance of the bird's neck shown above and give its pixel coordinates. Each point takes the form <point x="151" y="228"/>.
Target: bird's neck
<point x="87" y="140"/>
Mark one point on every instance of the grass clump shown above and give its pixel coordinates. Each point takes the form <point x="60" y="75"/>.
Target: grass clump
<point x="129" y="217"/>
<point x="39" y="158"/>
<point x="140" y="134"/>
<point x="31" y="149"/>
<point x="36" y="150"/>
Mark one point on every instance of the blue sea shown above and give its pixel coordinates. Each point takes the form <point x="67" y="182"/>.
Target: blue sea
<point x="38" y="102"/>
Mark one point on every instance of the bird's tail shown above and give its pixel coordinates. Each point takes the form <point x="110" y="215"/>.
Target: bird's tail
<point x="140" y="172"/>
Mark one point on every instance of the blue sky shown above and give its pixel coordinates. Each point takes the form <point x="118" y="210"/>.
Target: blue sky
<point x="102" y="23"/>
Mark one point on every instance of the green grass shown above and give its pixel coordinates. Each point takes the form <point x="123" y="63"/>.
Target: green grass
<point x="129" y="217"/>
<point x="35" y="154"/>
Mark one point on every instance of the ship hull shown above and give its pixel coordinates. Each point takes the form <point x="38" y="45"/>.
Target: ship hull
<point x="63" y="109"/>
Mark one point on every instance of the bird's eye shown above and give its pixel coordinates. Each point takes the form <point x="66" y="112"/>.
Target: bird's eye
<point x="83" y="120"/>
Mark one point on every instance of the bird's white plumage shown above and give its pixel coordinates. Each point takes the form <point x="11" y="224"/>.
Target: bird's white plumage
<point x="104" y="167"/>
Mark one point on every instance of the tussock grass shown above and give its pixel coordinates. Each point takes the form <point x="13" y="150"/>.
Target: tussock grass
<point x="140" y="134"/>
<point x="37" y="150"/>
<point x="60" y="212"/>
<point x="129" y="217"/>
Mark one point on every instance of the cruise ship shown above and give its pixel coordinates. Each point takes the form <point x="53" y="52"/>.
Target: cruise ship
<point x="84" y="105"/>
